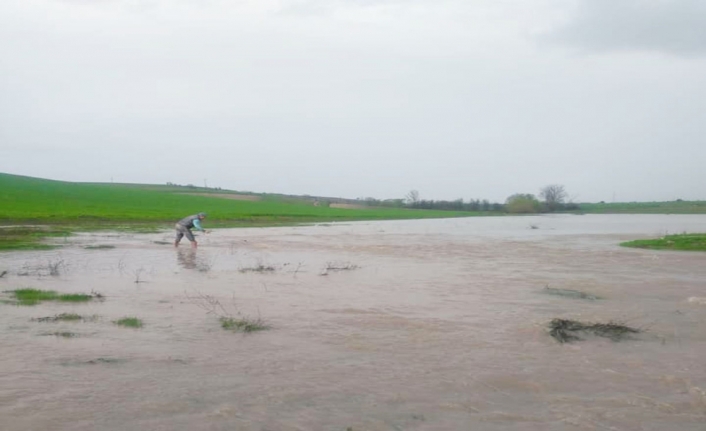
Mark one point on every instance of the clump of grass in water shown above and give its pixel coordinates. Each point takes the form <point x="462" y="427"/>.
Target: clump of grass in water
<point x="99" y="247"/>
<point x="106" y="361"/>
<point x="63" y="317"/>
<point x="129" y="322"/>
<point x="243" y="324"/>
<point x="684" y="242"/>
<point x="340" y="266"/>
<point x="565" y="330"/>
<point x="258" y="268"/>
<point x="63" y="334"/>
<point x="35" y="296"/>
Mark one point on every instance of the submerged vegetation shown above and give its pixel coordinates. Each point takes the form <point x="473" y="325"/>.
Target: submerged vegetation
<point x="565" y="330"/>
<point x="683" y="242"/>
<point x="243" y="324"/>
<point x="569" y="293"/>
<point x="259" y="267"/>
<point x="213" y="306"/>
<point x="63" y="317"/>
<point x="29" y="237"/>
<point x="129" y="322"/>
<point x="99" y="247"/>
<point x="35" y="296"/>
<point x="62" y="334"/>
<point x="33" y="209"/>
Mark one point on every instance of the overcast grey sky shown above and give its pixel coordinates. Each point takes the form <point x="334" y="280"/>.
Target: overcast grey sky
<point x="357" y="98"/>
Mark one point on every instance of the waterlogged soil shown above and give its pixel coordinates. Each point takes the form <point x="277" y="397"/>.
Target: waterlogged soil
<point x="401" y="325"/>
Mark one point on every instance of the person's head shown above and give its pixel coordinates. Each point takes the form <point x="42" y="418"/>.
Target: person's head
<point x="201" y="216"/>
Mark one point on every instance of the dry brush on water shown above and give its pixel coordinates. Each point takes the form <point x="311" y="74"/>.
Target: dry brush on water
<point x="337" y="267"/>
<point x="232" y="321"/>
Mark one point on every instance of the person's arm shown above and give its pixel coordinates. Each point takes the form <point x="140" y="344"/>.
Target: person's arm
<point x="197" y="225"/>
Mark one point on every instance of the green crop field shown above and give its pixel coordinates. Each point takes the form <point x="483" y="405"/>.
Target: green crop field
<point x="33" y="208"/>
<point x="671" y="207"/>
<point x="24" y="199"/>
<point x="66" y="206"/>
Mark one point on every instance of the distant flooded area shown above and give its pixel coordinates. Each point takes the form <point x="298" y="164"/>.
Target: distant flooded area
<point x="365" y="326"/>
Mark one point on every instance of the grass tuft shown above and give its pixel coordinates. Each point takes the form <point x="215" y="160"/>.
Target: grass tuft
<point x="35" y="296"/>
<point x="75" y="297"/>
<point x="243" y="324"/>
<point x="683" y="242"/>
<point x="63" y="334"/>
<point x="129" y="322"/>
<point x="258" y="268"/>
<point x="63" y="317"/>
<point x="106" y="361"/>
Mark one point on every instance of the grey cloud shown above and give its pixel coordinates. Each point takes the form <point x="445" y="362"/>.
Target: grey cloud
<point x="675" y="27"/>
<point x="369" y="98"/>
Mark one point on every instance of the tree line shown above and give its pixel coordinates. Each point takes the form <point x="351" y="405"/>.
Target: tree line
<point x="551" y="198"/>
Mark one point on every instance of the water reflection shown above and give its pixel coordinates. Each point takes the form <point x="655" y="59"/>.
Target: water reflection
<point x="186" y="258"/>
<point x="189" y="259"/>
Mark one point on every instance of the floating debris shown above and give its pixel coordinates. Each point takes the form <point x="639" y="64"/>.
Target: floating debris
<point x="63" y="334"/>
<point x="106" y="361"/>
<point x="569" y="293"/>
<point x="565" y="330"/>
<point x="258" y="268"/>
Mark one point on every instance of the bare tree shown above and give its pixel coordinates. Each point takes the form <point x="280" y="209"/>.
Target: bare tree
<point x="554" y="196"/>
<point x="412" y="197"/>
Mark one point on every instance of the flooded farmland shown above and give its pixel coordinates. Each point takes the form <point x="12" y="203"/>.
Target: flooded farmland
<point x="395" y="325"/>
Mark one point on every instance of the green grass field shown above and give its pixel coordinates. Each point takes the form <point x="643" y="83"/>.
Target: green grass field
<point x="683" y="242"/>
<point x="672" y="207"/>
<point x="32" y="209"/>
<point x="56" y="208"/>
<point x="25" y="200"/>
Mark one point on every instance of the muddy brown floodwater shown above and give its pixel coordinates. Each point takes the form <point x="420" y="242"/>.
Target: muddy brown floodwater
<point x="398" y="325"/>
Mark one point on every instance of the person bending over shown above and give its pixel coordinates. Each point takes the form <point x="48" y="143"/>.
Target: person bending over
<point x="184" y="226"/>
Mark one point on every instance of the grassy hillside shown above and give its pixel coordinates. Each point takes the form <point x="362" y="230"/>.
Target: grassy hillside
<point x="61" y="207"/>
<point x="30" y="200"/>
